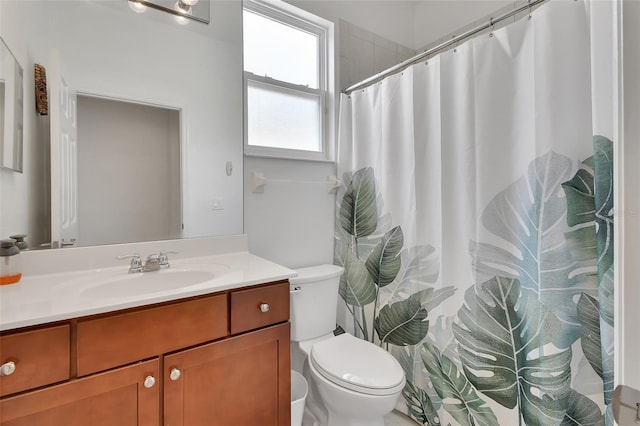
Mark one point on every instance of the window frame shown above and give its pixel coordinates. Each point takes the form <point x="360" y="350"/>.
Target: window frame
<point x="287" y="14"/>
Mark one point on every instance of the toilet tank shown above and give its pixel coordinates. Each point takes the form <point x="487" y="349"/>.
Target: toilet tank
<point x="314" y="301"/>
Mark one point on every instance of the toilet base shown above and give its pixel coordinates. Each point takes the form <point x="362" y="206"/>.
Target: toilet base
<point x="349" y="408"/>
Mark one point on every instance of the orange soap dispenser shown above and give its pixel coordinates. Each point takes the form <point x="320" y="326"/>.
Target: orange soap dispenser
<point x="10" y="270"/>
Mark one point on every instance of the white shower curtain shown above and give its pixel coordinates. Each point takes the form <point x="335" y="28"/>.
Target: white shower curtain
<point x="475" y="223"/>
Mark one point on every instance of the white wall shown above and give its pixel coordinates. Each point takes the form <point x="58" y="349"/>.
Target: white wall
<point x="106" y="49"/>
<point x="127" y="156"/>
<point x="435" y="19"/>
<point x="290" y="223"/>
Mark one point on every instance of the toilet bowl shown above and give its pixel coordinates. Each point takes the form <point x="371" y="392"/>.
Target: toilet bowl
<point x="352" y="382"/>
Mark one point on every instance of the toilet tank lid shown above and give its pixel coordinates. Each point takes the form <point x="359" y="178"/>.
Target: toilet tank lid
<point x="316" y="273"/>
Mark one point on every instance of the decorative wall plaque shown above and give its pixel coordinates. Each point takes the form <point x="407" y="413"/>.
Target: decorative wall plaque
<point x="42" y="102"/>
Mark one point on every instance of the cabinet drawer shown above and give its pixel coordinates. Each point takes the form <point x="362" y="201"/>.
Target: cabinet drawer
<point x="116" y="340"/>
<point x="40" y="357"/>
<point x="246" y="312"/>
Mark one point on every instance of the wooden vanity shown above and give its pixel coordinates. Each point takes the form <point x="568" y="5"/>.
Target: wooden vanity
<point x="217" y="359"/>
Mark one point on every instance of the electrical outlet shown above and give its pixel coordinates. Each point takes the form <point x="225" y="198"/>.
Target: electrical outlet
<point x="217" y="204"/>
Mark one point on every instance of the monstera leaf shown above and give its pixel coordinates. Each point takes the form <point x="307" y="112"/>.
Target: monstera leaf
<point x="581" y="411"/>
<point x="384" y="262"/>
<point x="504" y="341"/>
<point x="356" y="286"/>
<point x="358" y="211"/>
<point x="402" y="323"/>
<point x="599" y="357"/>
<point x="589" y="197"/>
<point x="607" y="297"/>
<point x="603" y="165"/>
<point x="458" y="396"/>
<point x="420" y="406"/>
<point x="529" y="218"/>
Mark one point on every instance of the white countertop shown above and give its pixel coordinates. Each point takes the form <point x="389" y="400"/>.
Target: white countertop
<point x="43" y="298"/>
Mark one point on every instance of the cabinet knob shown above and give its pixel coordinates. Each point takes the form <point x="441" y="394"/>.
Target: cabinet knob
<point x="264" y="307"/>
<point x="7" y="368"/>
<point x="175" y="374"/>
<point x="149" y="382"/>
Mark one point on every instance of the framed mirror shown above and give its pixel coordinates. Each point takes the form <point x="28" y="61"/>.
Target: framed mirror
<point x="11" y="110"/>
<point x="104" y="50"/>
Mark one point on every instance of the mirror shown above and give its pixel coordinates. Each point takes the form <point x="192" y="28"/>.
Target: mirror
<point x="10" y="110"/>
<point x="102" y="49"/>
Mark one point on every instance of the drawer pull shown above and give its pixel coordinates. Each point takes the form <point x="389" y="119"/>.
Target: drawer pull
<point x="264" y="307"/>
<point x="149" y="382"/>
<point x="175" y="374"/>
<point x="7" y="368"/>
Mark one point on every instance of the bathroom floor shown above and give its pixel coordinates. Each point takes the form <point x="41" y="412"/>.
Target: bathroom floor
<point x="395" y="418"/>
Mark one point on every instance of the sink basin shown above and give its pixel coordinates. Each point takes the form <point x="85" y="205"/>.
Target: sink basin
<point x="146" y="282"/>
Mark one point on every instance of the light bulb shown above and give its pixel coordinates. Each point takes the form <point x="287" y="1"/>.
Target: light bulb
<point x="190" y="2"/>
<point x="183" y="7"/>
<point x="136" y="6"/>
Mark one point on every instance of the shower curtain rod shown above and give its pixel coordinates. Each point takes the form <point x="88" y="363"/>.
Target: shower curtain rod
<point x="442" y="46"/>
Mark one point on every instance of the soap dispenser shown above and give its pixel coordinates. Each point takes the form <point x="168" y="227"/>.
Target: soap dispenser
<point x="10" y="268"/>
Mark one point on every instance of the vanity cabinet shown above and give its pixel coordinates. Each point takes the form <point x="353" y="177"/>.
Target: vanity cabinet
<point x="221" y="359"/>
<point x="126" y="396"/>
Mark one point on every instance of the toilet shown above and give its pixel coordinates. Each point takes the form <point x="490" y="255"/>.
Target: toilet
<point x="352" y="382"/>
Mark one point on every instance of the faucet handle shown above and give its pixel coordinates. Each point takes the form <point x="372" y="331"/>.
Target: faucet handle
<point x="163" y="259"/>
<point x="136" y="262"/>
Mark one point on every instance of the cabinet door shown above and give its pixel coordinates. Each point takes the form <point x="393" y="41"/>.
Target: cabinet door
<point x="118" y="397"/>
<point x="240" y="381"/>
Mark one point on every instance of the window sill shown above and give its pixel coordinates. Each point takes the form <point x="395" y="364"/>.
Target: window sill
<point x="291" y="155"/>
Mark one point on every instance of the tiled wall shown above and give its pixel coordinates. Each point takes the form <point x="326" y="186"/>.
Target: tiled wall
<point x="363" y="54"/>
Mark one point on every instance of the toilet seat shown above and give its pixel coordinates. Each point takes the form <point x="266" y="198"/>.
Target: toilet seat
<point x="357" y="365"/>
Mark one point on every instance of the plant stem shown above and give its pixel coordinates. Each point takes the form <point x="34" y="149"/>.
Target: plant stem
<point x="364" y="322"/>
<point x="355" y="320"/>
<point x="375" y="310"/>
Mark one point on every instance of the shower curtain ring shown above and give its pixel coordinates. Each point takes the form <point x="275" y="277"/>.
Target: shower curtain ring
<point x="530" y="10"/>
<point x="492" y="26"/>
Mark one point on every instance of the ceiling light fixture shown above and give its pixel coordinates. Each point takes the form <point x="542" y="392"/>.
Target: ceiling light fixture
<point x="181" y="9"/>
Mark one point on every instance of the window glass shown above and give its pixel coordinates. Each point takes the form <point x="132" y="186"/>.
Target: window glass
<point x="279" y="118"/>
<point x="279" y="51"/>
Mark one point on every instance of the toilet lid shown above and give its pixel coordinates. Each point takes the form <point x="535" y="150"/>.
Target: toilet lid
<point x="357" y="365"/>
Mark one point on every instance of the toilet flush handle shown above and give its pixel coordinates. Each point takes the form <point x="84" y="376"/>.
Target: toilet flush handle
<point x="296" y="289"/>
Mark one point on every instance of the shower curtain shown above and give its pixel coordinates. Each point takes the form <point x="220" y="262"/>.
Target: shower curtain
<point x="475" y="223"/>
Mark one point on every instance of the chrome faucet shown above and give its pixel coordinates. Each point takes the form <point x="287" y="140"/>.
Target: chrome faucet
<point x="136" y="262"/>
<point x="163" y="259"/>
<point x="154" y="262"/>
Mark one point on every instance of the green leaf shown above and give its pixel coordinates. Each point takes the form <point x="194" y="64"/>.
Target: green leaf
<point x="384" y="262"/>
<point x="458" y="396"/>
<point x="402" y="323"/>
<point x="358" y="211"/>
<point x="606" y="297"/>
<point x="420" y="406"/>
<point x="600" y="357"/>
<point x="504" y="341"/>
<point x="603" y="167"/>
<point x="589" y="317"/>
<point x="356" y="286"/>
<point x="582" y="411"/>
<point x="431" y="298"/>
<point x="529" y="217"/>
<point x="421" y="265"/>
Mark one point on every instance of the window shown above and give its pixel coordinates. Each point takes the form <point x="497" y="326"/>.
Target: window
<point x="288" y="78"/>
